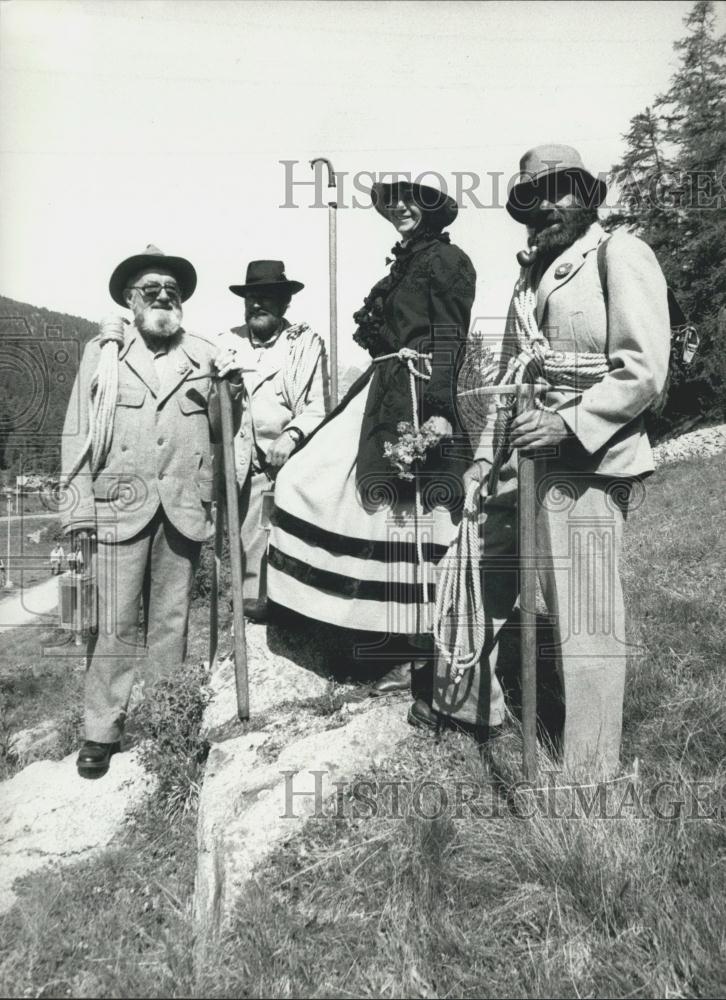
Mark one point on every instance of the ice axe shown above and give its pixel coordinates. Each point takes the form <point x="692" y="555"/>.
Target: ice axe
<point x="333" y="271"/>
<point x="228" y="502"/>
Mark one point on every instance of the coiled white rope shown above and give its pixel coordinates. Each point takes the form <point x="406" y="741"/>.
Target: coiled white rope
<point x="540" y="364"/>
<point x="305" y="351"/>
<point x="102" y="398"/>
<point x="459" y="625"/>
<point x="408" y="357"/>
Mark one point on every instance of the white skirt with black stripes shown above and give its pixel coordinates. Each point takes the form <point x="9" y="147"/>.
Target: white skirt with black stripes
<point x="336" y="560"/>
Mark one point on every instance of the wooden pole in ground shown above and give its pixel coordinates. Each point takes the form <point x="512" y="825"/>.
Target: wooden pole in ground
<point x="235" y="551"/>
<point x="216" y="573"/>
<point x="333" y="274"/>
<point x="527" y="499"/>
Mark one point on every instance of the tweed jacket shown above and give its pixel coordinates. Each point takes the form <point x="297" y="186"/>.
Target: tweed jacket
<point x="266" y="411"/>
<point x="631" y="327"/>
<point x="161" y="450"/>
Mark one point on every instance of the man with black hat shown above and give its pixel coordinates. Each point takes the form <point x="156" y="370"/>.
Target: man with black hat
<point x="589" y="323"/>
<point x="282" y="366"/>
<point x="137" y="475"/>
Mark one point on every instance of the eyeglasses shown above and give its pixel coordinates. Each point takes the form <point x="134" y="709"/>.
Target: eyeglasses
<point x="153" y="290"/>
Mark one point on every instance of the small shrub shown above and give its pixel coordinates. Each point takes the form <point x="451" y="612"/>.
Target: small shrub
<point x="169" y="720"/>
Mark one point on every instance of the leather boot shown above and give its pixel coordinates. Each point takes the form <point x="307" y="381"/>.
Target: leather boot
<point x="93" y="758"/>
<point x="422" y="716"/>
<point x="398" y="679"/>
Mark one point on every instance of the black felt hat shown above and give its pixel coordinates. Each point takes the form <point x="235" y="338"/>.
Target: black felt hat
<point x="267" y="276"/>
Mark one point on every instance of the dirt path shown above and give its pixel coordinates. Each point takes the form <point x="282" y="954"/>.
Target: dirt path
<point x="43" y="516"/>
<point x="25" y="606"/>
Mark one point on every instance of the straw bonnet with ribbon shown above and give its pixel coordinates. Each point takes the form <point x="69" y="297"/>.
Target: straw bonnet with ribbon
<point x="267" y="277"/>
<point x="124" y="273"/>
<point x="553" y="169"/>
<point x="439" y="208"/>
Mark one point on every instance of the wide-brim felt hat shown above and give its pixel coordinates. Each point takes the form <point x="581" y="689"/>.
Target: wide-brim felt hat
<point x="438" y="207"/>
<point x="180" y="267"/>
<point x="543" y="167"/>
<point x="267" y="276"/>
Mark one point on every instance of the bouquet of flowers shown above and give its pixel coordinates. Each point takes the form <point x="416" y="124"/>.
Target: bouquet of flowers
<point x="413" y="444"/>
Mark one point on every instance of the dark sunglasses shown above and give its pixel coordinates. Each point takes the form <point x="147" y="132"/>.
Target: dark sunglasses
<point x="153" y="290"/>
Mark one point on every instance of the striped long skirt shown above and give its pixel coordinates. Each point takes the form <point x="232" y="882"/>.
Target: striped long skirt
<point x="347" y="563"/>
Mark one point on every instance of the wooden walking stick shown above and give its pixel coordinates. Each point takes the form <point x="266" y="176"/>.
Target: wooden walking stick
<point x="235" y="550"/>
<point x="526" y="501"/>
<point x="333" y="271"/>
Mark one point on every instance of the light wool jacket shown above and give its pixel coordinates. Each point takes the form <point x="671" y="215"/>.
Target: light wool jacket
<point x="161" y="450"/>
<point x="266" y="409"/>
<point x="632" y="328"/>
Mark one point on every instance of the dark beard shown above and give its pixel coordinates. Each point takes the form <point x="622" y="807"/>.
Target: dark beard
<point x="573" y="223"/>
<point x="264" y="327"/>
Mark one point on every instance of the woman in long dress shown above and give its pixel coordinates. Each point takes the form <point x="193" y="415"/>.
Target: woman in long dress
<point x="367" y="506"/>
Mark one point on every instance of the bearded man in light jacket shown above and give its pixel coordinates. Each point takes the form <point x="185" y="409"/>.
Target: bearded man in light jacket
<point x="597" y="306"/>
<point x="141" y="483"/>
<point x="283" y="369"/>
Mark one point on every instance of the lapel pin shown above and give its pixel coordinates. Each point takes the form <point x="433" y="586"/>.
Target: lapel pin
<point x="563" y="270"/>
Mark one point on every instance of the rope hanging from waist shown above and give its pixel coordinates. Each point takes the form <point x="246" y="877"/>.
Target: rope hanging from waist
<point x="459" y="632"/>
<point x="409" y="357"/>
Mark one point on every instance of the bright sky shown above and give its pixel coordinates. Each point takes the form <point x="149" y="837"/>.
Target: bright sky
<point x="125" y="123"/>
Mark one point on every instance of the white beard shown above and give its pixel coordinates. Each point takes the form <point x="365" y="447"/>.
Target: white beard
<point x="163" y="323"/>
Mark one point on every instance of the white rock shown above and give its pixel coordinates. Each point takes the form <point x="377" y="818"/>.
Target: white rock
<point x="248" y="807"/>
<point x="35" y="742"/>
<point x="48" y="814"/>
<point x="274" y="679"/>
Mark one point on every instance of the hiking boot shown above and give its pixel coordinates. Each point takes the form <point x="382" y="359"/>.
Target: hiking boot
<point x="398" y="679"/>
<point x="93" y="758"/>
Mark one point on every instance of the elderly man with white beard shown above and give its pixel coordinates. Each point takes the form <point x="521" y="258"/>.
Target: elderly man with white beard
<point x="138" y="475"/>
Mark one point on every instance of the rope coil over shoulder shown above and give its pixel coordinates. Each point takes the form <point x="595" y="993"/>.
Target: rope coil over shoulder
<point x="305" y="351"/>
<point x="102" y="398"/>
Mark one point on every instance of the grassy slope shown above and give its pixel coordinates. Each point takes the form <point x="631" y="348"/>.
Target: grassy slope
<point x="455" y="907"/>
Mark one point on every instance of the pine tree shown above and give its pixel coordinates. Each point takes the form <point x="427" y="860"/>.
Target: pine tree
<point x="673" y="194"/>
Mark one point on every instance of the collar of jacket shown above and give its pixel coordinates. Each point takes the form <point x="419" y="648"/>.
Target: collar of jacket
<point x="565" y="267"/>
<point x="139" y="358"/>
<point x="417" y="243"/>
<point x="182" y="343"/>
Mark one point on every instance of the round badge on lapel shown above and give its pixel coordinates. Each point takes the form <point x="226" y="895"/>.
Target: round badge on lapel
<point x="563" y="270"/>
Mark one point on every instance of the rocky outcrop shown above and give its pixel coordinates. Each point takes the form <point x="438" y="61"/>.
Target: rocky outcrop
<point x="49" y="815"/>
<point x="249" y="805"/>
<point x="36" y="742"/>
<point x="262" y="781"/>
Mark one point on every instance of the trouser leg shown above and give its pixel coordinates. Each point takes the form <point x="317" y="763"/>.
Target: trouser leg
<point x="478" y="698"/>
<point x="579" y="536"/>
<point x="254" y="539"/>
<point x="172" y="565"/>
<point x="110" y="675"/>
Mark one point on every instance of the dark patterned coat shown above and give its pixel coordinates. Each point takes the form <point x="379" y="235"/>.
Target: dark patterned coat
<point x="425" y="304"/>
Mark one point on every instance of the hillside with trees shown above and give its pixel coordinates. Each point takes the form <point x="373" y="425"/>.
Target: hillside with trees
<point x="39" y="354"/>
<point x="671" y="181"/>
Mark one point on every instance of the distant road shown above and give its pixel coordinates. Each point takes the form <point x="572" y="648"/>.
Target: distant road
<point x="25" y="606"/>
<point x="29" y="517"/>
